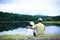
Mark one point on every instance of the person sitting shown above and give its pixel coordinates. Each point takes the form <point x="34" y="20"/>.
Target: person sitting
<point x="30" y="31"/>
<point x="39" y="27"/>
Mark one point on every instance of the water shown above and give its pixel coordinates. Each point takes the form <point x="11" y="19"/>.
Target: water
<point x="22" y="31"/>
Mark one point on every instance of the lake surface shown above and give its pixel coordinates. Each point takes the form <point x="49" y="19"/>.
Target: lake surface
<point x="48" y="30"/>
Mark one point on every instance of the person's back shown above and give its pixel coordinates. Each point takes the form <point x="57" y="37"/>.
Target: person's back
<point x="39" y="29"/>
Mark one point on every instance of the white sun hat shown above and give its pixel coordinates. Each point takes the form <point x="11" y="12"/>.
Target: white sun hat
<point x="32" y="23"/>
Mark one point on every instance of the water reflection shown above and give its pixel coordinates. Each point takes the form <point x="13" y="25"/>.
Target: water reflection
<point x="52" y="30"/>
<point x="22" y="31"/>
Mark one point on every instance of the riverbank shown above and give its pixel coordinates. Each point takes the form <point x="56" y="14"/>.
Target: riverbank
<point x="50" y="22"/>
<point x="17" y="36"/>
<point x="21" y="37"/>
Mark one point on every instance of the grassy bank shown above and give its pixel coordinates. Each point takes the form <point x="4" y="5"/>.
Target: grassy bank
<point x="57" y="22"/>
<point x="51" y="23"/>
<point x="21" y="36"/>
<point x="45" y="22"/>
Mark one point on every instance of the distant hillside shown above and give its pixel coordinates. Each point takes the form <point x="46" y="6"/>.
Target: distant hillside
<point x="5" y="16"/>
<point x="40" y="15"/>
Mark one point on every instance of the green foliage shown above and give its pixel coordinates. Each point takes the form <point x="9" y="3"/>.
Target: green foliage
<point x="5" y="16"/>
<point x="9" y="21"/>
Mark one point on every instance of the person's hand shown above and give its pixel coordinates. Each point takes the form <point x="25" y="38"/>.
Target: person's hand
<point x="29" y="27"/>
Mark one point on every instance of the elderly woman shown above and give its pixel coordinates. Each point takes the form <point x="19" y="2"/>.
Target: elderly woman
<point x="30" y="31"/>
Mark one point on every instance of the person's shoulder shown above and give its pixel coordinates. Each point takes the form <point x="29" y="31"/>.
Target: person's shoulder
<point x="43" y="24"/>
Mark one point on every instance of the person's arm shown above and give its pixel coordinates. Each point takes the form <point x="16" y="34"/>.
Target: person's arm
<point x="34" y="26"/>
<point x="29" y="27"/>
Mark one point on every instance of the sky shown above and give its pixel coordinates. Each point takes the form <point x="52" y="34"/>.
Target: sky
<point x="31" y="7"/>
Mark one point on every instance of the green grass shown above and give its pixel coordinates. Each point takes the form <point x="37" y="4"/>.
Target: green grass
<point x="58" y="22"/>
<point x="21" y="36"/>
<point x="51" y="23"/>
<point x="12" y="36"/>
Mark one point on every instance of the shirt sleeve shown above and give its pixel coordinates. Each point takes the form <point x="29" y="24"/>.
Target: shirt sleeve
<point x="34" y="26"/>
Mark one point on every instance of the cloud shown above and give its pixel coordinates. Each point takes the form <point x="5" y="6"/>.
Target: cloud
<point x="32" y="7"/>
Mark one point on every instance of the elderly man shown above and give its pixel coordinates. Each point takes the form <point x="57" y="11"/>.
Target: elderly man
<point x="39" y="27"/>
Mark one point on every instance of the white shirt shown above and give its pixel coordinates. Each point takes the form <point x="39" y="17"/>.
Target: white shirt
<point x="29" y="32"/>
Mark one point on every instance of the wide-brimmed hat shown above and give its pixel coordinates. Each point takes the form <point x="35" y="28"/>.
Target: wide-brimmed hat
<point x="32" y="23"/>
